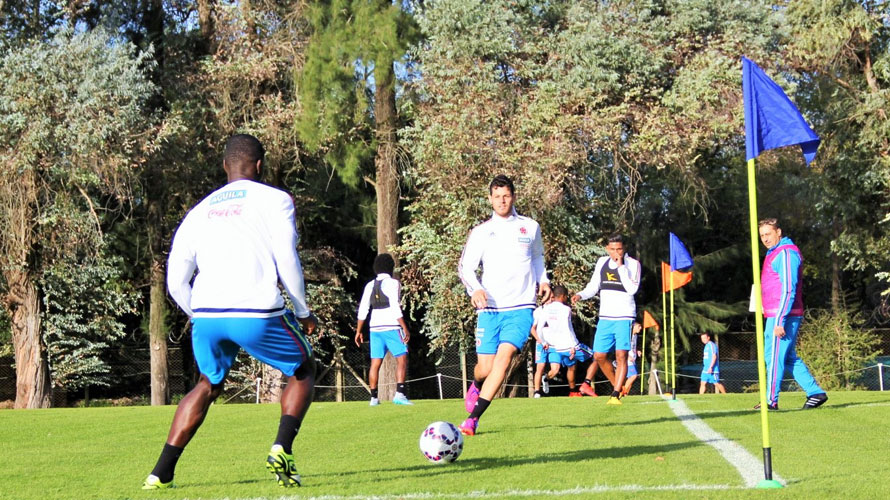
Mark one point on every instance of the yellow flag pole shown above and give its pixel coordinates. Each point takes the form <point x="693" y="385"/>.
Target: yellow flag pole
<point x="665" y="349"/>
<point x="642" y="361"/>
<point x="673" y="343"/>
<point x="758" y="328"/>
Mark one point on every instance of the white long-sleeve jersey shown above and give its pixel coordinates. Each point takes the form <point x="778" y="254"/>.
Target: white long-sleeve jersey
<point x="242" y="241"/>
<point x="386" y="318"/>
<point x="512" y="256"/>
<point x="553" y="322"/>
<point x="616" y="286"/>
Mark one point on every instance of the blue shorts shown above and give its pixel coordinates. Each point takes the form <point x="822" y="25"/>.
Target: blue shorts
<point x="388" y="340"/>
<point x="612" y="334"/>
<point x="496" y="328"/>
<point x="582" y="354"/>
<point x="710" y="378"/>
<point x="277" y="341"/>
<point x="632" y="369"/>
<point x="548" y="356"/>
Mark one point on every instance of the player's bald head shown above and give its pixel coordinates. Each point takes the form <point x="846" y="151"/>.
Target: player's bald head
<point x="243" y="151"/>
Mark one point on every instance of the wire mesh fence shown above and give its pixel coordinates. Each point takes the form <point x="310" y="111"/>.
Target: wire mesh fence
<point x="343" y="375"/>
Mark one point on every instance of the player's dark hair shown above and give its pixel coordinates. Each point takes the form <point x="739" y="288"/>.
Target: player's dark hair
<point x="384" y="263"/>
<point x="769" y="221"/>
<point x="559" y="291"/>
<point x="617" y="238"/>
<point x="501" y="181"/>
<point x="710" y="337"/>
<point x="243" y="149"/>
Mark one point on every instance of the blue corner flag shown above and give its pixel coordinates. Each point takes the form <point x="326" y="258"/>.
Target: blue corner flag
<point x="771" y="119"/>
<point x="680" y="258"/>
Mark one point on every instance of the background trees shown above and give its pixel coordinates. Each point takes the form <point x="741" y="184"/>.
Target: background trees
<point x="611" y="116"/>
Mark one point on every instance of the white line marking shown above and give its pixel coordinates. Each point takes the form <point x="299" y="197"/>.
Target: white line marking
<point x="749" y="467"/>
<point x="579" y="490"/>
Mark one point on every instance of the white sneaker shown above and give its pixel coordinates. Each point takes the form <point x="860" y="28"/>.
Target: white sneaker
<point x="401" y="399"/>
<point x="375" y="401"/>
<point x="537" y="395"/>
<point x="545" y="385"/>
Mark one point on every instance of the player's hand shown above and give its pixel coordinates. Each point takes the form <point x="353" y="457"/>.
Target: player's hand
<point x="637" y="327"/>
<point x="545" y="292"/>
<point x="406" y="337"/>
<point x="572" y="353"/>
<point x="479" y="299"/>
<point x="359" y="338"/>
<point x="575" y="298"/>
<point x="308" y="323"/>
<point x="779" y="331"/>
<point x="545" y="346"/>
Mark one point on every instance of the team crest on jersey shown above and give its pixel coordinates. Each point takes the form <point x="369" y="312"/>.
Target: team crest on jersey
<point x="523" y="230"/>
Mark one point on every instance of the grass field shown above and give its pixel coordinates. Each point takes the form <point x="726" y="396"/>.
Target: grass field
<point x="571" y="448"/>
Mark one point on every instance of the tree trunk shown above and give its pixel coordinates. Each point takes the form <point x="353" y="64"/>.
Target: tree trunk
<point x="157" y="335"/>
<point x="270" y="386"/>
<point x="32" y="384"/>
<point x="208" y="25"/>
<point x="387" y="190"/>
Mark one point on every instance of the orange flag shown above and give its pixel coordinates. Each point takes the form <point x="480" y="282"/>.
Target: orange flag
<point x="649" y="321"/>
<point x="671" y="280"/>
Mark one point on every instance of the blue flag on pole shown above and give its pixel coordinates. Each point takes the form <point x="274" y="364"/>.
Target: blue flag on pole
<point x="771" y="119"/>
<point x="680" y="258"/>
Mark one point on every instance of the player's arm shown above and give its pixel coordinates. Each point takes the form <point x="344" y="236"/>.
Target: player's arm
<point x="630" y="273"/>
<point x="283" y="229"/>
<point x="396" y="305"/>
<point x="713" y="358"/>
<point x="466" y="269"/>
<point x="593" y="286"/>
<point x="181" y="266"/>
<point x="364" y="307"/>
<point x="538" y="267"/>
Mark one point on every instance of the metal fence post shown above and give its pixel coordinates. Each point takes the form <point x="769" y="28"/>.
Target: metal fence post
<point x="463" y="372"/>
<point x="439" y="377"/>
<point x="881" y="376"/>
<point x="258" y="382"/>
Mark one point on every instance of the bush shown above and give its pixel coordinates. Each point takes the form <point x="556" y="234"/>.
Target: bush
<point x="836" y="346"/>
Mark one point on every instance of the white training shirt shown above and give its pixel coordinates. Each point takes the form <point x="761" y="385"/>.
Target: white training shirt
<point x="382" y="319"/>
<point x="512" y="256"/>
<point x="615" y="304"/>
<point x="553" y="322"/>
<point x="242" y="241"/>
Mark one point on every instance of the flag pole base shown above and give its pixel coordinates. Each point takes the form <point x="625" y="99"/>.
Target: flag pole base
<point x="769" y="484"/>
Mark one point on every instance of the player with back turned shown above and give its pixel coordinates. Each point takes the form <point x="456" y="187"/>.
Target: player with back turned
<point x="238" y="244"/>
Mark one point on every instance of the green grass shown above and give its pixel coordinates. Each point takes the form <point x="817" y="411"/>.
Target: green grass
<point x="525" y="448"/>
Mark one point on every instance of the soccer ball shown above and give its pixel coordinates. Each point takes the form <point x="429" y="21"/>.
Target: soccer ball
<point x="441" y="442"/>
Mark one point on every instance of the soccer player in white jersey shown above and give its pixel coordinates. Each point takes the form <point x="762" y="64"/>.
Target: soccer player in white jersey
<point x="616" y="277"/>
<point x="554" y="331"/>
<point x="389" y="332"/>
<point x="238" y="244"/>
<point x="511" y="252"/>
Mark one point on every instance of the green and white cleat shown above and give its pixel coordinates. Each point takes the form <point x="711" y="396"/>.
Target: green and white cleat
<point x="153" y="482"/>
<point x="282" y="465"/>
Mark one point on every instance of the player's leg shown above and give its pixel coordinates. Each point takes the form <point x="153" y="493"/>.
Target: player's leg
<point x="815" y="394"/>
<point x="773" y="354"/>
<point x="718" y="387"/>
<point x="605" y="365"/>
<point x="702" y="387"/>
<point x="283" y="345"/>
<point x="373" y="378"/>
<point x="621" y="370"/>
<point x="570" y="378"/>
<point x="395" y="344"/>
<point x="487" y="325"/>
<point x="540" y="364"/>
<point x="587" y="386"/>
<point x="214" y="354"/>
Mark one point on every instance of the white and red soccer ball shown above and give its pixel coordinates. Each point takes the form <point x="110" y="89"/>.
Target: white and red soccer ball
<point x="441" y="442"/>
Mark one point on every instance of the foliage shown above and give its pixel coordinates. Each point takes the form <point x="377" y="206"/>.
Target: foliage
<point x="615" y="116"/>
<point x="835" y="345"/>
<point x="83" y="305"/>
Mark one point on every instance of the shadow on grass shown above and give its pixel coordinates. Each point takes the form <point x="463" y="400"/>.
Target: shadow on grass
<point x="463" y="466"/>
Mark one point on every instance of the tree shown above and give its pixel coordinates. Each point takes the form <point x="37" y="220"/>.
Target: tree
<point x="338" y="116"/>
<point x="72" y="131"/>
